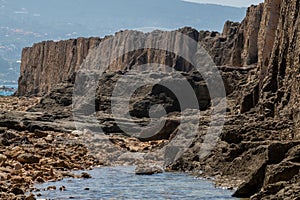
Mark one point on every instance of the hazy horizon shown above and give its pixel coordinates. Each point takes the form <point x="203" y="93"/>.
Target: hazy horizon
<point x="234" y="3"/>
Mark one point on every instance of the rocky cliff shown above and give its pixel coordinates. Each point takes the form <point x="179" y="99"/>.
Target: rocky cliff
<point x="280" y="75"/>
<point x="48" y="63"/>
<point x="259" y="147"/>
<point x="258" y="150"/>
<point x="275" y="81"/>
<point x="237" y="45"/>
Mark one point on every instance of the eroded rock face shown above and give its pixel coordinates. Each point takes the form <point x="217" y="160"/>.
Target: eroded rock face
<point x="260" y="144"/>
<point x="48" y="63"/>
<point x="267" y="34"/>
<point x="258" y="151"/>
<point x="281" y="84"/>
<point x="238" y="44"/>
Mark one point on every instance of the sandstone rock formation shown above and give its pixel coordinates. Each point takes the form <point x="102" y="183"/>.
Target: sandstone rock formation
<point x="238" y="43"/>
<point x="48" y="63"/>
<point x="281" y="82"/>
<point x="263" y="139"/>
<point x="258" y="150"/>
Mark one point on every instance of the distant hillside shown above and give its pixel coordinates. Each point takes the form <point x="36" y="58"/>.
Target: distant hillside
<point x="26" y="22"/>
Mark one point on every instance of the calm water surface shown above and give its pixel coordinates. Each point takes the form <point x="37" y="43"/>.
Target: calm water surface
<point x="8" y="93"/>
<point x="122" y="183"/>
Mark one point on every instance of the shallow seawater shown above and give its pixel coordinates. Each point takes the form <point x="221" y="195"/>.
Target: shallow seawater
<point x="122" y="183"/>
<point x="8" y="93"/>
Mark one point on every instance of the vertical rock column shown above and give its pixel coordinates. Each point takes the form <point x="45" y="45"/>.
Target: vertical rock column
<point x="48" y="63"/>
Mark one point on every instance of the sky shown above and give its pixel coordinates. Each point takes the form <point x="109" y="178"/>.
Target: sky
<point x="235" y="3"/>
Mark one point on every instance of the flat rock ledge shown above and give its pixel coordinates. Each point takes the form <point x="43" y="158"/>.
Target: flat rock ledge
<point x="148" y="169"/>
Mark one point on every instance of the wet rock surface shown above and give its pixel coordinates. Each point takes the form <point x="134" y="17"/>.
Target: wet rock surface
<point x="148" y="170"/>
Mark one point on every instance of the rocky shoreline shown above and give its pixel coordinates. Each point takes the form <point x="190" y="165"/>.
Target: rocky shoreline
<point x="28" y="157"/>
<point x="43" y="147"/>
<point x="257" y="152"/>
<point x="40" y="142"/>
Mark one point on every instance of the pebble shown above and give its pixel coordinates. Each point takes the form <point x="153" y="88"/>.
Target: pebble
<point x="3" y="158"/>
<point x="62" y="188"/>
<point x="40" y="180"/>
<point x="30" y="197"/>
<point x="17" y="191"/>
<point x="85" y="175"/>
<point x="28" y="158"/>
<point x="18" y="166"/>
<point x="51" y="188"/>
